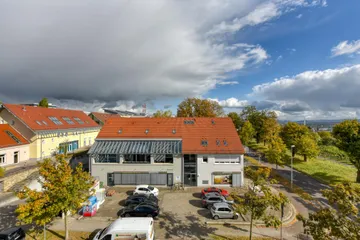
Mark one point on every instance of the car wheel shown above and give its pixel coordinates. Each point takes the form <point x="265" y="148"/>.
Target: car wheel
<point x="135" y="193"/>
<point x="127" y="215"/>
<point x="149" y="215"/>
<point x="216" y="217"/>
<point x="236" y="216"/>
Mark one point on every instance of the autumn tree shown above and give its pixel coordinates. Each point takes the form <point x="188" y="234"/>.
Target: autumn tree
<point x="276" y="151"/>
<point x="246" y="133"/>
<point x="44" y="103"/>
<point x="162" y="114"/>
<point x="270" y="125"/>
<point x="339" y="221"/>
<point x="307" y="147"/>
<point x="292" y="132"/>
<point x="64" y="190"/>
<point x="259" y="200"/>
<point x="196" y="107"/>
<point x="348" y="135"/>
<point x="326" y="139"/>
<point x="236" y="119"/>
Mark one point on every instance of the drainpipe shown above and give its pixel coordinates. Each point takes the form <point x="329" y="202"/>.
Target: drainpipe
<point x="41" y="156"/>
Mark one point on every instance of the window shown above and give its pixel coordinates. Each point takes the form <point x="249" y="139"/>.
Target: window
<point x="217" y="142"/>
<point x="204" y="143"/>
<point x="89" y="140"/>
<point x="225" y="143"/>
<point x="55" y="120"/>
<point x="79" y="120"/>
<point x="188" y="121"/>
<point x="205" y="159"/>
<point x="2" y="159"/>
<point x="169" y="158"/>
<point x="16" y="157"/>
<point x="38" y="122"/>
<point x="205" y="182"/>
<point x="84" y="141"/>
<point x="107" y="158"/>
<point x="12" y="122"/>
<point x="137" y="158"/>
<point x="13" y="137"/>
<point x="68" y="120"/>
<point x="45" y="123"/>
<point x="164" y="158"/>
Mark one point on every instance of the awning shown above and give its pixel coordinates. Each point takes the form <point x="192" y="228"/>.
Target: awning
<point x="136" y="147"/>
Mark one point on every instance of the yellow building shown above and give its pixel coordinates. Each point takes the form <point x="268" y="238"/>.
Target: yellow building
<point x="51" y="130"/>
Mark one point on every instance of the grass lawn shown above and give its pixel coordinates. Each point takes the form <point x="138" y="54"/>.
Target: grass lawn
<point x="325" y="171"/>
<point x="55" y="235"/>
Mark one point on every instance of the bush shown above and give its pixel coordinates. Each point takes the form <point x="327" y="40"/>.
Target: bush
<point x="2" y="172"/>
<point x="333" y="152"/>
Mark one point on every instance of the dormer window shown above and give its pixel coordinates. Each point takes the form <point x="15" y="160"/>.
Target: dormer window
<point x="217" y="142"/>
<point x="225" y="142"/>
<point x="174" y="131"/>
<point x="204" y="143"/>
<point x="146" y="131"/>
<point x="120" y="131"/>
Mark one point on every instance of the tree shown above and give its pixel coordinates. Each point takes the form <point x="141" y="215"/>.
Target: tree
<point x="291" y="132"/>
<point x="163" y="114"/>
<point x="259" y="198"/>
<point x="44" y="103"/>
<point x="326" y="139"/>
<point x="348" y="135"/>
<point x="341" y="220"/>
<point x="276" y="152"/>
<point x="307" y="147"/>
<point x="256" y="118"/>
<point x="195" y="107"/>
<point x="270" y="126"/>
<point x="246" y="133"/>
<point x="64" y="190"/>
<point x="236" y="119"/>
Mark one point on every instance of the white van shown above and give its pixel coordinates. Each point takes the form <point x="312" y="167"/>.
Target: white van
<point x="132" y="228"/>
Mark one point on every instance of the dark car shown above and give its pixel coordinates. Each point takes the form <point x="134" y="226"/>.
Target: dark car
<point x="140" y="211"/>
<point x="154" y="204"/>
<point x="15" y="233"/>
<point x="136" y="199"/>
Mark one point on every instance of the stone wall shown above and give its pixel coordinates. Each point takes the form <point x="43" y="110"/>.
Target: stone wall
<point x="11" y="180"/>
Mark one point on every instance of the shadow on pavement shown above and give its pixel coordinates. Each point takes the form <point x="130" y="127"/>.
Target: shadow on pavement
<point x="204" y="213"/>
<point x="7" y="217"/>
<point x="195" y="203"/>
<point x="197" y="195"/>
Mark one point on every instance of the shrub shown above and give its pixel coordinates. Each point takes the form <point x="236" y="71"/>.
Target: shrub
<point x="333" y="152"/>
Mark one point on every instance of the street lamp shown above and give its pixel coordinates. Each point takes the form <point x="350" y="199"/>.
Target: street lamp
<point x="292" y="159"/>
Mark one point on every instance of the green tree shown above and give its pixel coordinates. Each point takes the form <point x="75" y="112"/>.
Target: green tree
<point x="341" y="220"/>
<point x="307" y="147"/>
<point x="246" y="133"/>
<point x="44" y="103"/>
<point x="270" y="125"/>
<point x="326" y="139"/>
<point x="259" y="199"/>
<point x="276" y="152"/>
<point x="236" y="119"/>
<point x="64" y="190"/>
<point x="348" y="135"/>
<point x="162" y="114"/>
<point x="196" y="107"/>
<point x="292" y="132"/>
<point x="256" y="118"/>
<point x="333" y="152"/>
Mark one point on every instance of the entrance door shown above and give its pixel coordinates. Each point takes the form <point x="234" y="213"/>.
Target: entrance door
<point x="16" y="157"/>
<point x="170" y="180"/>
<point x="190" y="170"/>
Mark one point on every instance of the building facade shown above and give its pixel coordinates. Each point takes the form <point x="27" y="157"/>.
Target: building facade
<point x="164" y="151"/>
<point x="51" y="130"/>
<point x="14" y="148"/>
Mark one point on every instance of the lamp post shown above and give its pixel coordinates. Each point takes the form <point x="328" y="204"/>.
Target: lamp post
<point x="292" y="159"/>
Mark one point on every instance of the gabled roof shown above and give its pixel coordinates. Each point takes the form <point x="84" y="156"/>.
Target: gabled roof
<point x="104" y="116"/>
<point x="38" y="118"/>
<point x="9" y="137"/>
<point x="198" y="135"/>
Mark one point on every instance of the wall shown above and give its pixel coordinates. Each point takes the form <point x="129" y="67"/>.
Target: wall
<point x="48" y="145"/>
<point x="206" y="170"/>
<point x="101" y="169"/>
<point x="10" y="181"/>
<point x="9" y="152"/>
<point x="2" y="121"/>
<point x="17" y="124"/>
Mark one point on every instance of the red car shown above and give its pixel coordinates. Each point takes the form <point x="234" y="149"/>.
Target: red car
<point x="223" y="192"/>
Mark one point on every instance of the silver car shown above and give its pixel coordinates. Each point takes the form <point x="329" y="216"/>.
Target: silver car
<point x="223" y="210"/>
<point x="211" y="198"/>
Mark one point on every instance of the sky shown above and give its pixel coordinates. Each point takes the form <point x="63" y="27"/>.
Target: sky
<point x="299" y="58"/>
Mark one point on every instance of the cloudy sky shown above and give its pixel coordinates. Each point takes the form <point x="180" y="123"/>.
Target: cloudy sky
<point x="300" y="58"/>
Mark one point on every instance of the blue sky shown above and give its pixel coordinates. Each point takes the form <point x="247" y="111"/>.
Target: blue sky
<point x="299" y="58"/>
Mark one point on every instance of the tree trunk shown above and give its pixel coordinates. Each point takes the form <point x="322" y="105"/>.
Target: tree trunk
<point x="358" y="176"/>
<point x="251" y="225"/>
<point x="305" y="158"/>
<point x="66" y="227"/>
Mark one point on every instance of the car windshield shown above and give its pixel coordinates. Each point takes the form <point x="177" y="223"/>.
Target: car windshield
<point x="150" y="188"/>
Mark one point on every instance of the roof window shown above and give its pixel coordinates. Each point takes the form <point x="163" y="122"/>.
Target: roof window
<point x="68" y="120"/>
<point x="225" y="142"/>
<point x="120" y="131"/>
<point x="188" y="121"/>
<point x="45" y="123"/>
<point x="38" y="122"/>
<point x="212" y="121"/>
<point x="146" y="131"/>
<point x="79" y="120"/>
<point x="13" y="137"/>
<point x="55" y="120"/>
<point x="174" y="131"/>
<point x="204" y="143"/>
<point x="218" y="142"/>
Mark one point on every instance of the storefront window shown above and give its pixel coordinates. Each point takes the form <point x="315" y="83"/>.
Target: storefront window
<point x="222" y="178"/>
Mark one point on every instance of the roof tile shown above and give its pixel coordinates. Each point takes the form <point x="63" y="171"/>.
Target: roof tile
<point x="6" y="140"/>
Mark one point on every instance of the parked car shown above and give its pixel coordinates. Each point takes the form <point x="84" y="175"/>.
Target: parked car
<point x="146" y="190"/>
<point x="128" y="228"/>
<point x="136" y="199"/>
<point x="14" y="233"/>
<point x="140" y="211"/>
<point x="223" y="192"/>
<point x="223" y="210"/>
<point x="212" y="198"/>
<point x="142" y="204"/>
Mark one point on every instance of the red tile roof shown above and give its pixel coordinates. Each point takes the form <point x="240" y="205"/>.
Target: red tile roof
<point x="213" y="130"/>
<point x="6" y="140"/>
<point x="104" y="116"/>
<point x="37" y="118"/>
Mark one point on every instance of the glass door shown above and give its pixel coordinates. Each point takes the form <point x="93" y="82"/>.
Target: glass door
<point x="190" y="170"/>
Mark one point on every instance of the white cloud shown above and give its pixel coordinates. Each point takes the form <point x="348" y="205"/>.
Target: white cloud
<point x="299" y="16"/>
<point x="279" y="58"/>
<point x="228" y="83"/>
<point x="263" y="12"/>
<point x="346" y="48"/>
<point x="231" y="103"/>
